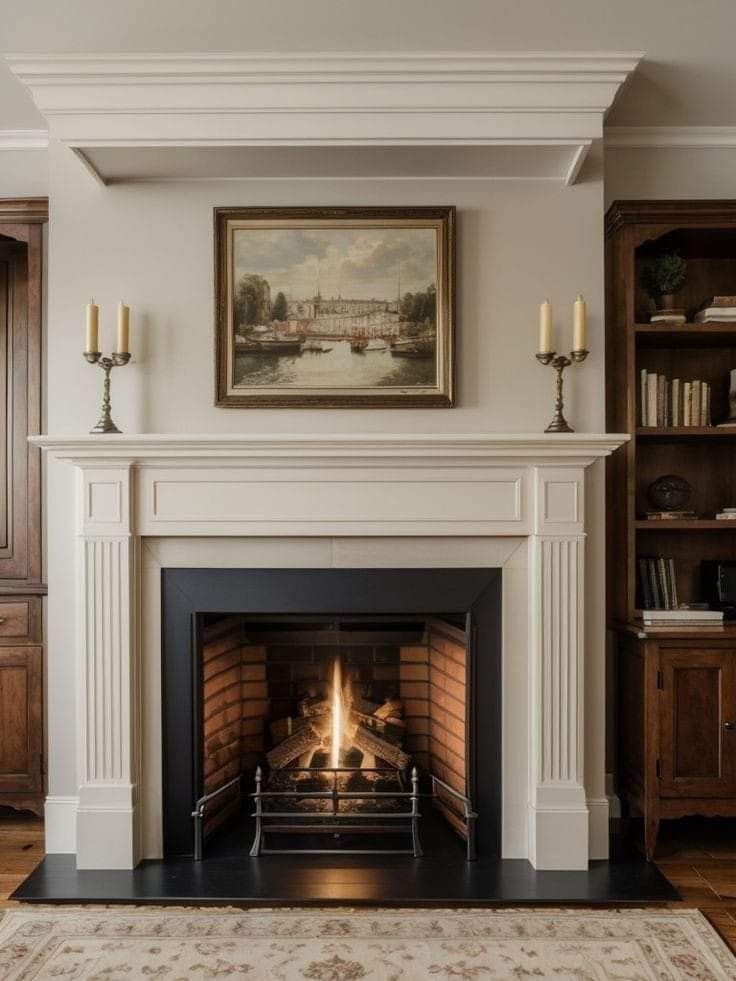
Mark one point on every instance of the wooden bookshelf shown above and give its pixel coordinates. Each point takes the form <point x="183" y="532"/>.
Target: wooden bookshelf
<point x="704" y="234"/>
<point x="675" y="690"/>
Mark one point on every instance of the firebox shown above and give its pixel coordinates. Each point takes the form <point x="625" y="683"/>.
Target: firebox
<point x="331" y="711"/>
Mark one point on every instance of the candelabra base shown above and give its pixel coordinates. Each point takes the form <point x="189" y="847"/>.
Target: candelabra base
<point x="105" y="426"/>
<point x="119" y="358"/>
<point x="559" y="425"/>
<point x="559" y="362"/>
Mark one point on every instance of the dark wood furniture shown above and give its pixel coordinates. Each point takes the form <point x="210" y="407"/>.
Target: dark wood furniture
<point x="676" y="691"/>
<point x="21" y="585"/>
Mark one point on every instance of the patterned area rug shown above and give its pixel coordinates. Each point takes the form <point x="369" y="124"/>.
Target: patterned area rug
<point x="106" y="944"/>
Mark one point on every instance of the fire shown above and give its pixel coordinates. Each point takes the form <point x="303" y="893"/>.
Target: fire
<point x="337" y="707"/>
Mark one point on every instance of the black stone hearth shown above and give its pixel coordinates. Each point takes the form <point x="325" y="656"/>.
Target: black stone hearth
<point x="229" y="876"/>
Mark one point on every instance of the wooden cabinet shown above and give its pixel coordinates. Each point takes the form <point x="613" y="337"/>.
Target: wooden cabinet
<point x="677" y="725"/>
<point x="21" y="745"/>
<point x="21" y="582"/>
<point x="697" y="722"/>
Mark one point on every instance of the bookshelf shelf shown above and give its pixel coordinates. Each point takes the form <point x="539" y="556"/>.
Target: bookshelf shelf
<point x="686" y="432"/>
<point x="697" y="524"/>
<point x="687" y="335"/>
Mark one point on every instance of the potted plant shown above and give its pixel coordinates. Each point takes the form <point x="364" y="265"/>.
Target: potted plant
<point x="663" y="277"/>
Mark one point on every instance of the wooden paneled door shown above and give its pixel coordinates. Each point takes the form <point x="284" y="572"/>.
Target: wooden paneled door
<point x="697" y="723"/>
<point x="21" y="745"/>
<point x="21" y="579"/>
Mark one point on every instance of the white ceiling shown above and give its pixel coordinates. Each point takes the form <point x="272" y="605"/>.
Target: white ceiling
<point x="687" y="78"/>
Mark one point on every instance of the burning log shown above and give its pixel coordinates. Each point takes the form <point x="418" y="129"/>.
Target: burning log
<point x="283" y="728"/>
<point x="305" y="740"/>
<point x="370" y="742"/>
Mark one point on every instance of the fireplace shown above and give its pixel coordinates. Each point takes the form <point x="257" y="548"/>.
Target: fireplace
<point x="331" y="711"/>
<point x="190" y="505"/>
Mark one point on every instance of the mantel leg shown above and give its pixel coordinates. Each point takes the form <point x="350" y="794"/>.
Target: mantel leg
<point x="558" y="813"/>
<point x="107" y="820"/>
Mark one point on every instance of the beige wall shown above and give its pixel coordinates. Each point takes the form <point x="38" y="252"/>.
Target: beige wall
<point x="676" y="173"/>
<point x="24" y="173"/>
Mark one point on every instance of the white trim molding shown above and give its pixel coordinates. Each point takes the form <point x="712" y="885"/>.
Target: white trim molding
<point x="170" y="487"/>
<point x="670" y="137"/>
<point x="60" y="824"/>
<point x="527" y="99"/>
<point x="24" y="139"/>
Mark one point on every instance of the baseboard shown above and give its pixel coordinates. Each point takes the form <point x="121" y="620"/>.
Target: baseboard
<point x="61" y="825"/>
<point x="598" y="827"/>
<point x="614" y="801"/>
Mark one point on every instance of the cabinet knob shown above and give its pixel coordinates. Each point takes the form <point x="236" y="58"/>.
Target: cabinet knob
<point x="2" y="619"/>
<point x="729" y="725"/>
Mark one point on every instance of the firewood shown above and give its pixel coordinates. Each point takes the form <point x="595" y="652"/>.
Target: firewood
<point x="369" y="742"/>
<point x="392" y="708"/>
<point x="309" y="706"/>
<point x="283" y="728"/>
<point x="300" y="742"/>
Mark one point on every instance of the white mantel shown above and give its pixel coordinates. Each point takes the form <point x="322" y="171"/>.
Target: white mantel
<point x="475" y="487"/>
<point x="138" y="116"/>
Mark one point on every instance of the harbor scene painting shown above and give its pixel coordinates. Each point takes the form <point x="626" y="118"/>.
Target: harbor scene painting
<point x="334" y="307"/>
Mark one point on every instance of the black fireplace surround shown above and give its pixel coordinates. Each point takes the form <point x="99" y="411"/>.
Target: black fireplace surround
<point x="471" y="596"/>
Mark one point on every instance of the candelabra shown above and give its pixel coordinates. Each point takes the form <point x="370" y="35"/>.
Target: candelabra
<point x="559" y="362"/>
<point x="106" y="425"/>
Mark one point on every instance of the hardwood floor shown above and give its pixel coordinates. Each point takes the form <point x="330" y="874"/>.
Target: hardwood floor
<point x="21" y="849"/>
<point x="697" y="856"/>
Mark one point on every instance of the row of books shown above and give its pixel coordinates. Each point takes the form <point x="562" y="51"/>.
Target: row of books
<point x="658" y="583"/>
<point x="673" y="403"/>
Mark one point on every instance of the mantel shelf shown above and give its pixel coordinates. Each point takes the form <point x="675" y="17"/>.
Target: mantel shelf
<point x="521" y="447"/>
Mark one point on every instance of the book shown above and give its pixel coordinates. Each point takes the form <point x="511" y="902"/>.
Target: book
<point x="687" y="403"/>
<point x="672" y="516"/>
<point x="646" y="589"/>
<point x="664" y="582"/>
<point x="651" y="399"/>
<point x="715" y="315"/>
<point x="664" y="628"/>
<point x="684" y="615"/>
<point x="695" y="411"/>
<point x="676" y="402"/>
<point x="643" y="396"/>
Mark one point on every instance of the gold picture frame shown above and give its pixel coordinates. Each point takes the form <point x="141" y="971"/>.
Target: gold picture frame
<point x="334" y="307"/>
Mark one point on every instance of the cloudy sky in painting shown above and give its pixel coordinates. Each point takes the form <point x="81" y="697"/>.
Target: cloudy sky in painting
<point x="355" y="263"/>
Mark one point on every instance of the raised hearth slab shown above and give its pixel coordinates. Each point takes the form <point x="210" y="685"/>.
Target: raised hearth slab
<point x="228" y="875"/>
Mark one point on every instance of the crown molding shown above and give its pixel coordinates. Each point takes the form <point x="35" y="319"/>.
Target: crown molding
<point x="24" y="139"/>
<point x="526" y="99"/>
<point x="670" y="137"/>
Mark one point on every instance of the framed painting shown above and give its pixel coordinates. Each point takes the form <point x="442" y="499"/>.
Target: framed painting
<point x="332" y="307"/>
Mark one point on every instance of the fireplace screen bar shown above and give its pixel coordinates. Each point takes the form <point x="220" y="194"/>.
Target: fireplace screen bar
<point x="337" y="822"/>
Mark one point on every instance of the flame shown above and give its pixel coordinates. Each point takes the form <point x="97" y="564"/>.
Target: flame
<point x="336" y="713"/>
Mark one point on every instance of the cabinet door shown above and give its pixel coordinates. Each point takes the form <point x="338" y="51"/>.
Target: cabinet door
<point x="20" y="720"/>
<point x="697" y="723"/>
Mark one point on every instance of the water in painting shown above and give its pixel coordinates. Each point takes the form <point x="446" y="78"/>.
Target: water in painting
<point x="335" y="307"/>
